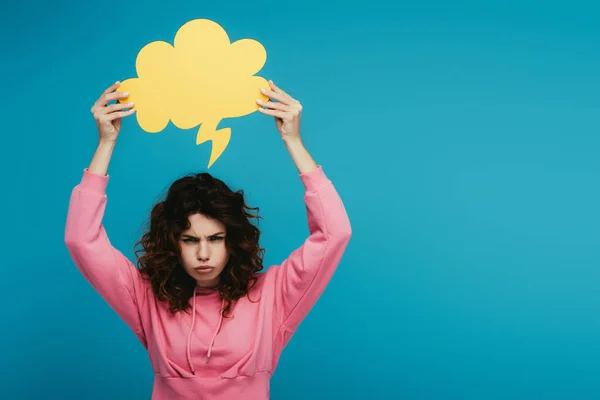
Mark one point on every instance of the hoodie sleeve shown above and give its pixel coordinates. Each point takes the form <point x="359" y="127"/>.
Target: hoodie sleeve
<point x="109" y="272"/>
<point x="303" y="276"/>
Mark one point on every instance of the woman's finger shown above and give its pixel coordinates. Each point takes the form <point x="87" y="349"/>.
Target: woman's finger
<point x="277" y="89"/>
<point x="115" y="115"/>
<point x="108" y="90"/>
<point x="274" y="106"/>
<point x="275" y="113"/>
<point x="118" y="107"/>
<point x="112" y="87"/>
<point x="277" y="96"/>
<point x="114" y="96"/>
<point x="108" y="96"/>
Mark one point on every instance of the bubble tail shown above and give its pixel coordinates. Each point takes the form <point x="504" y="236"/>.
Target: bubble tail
<point x="219" y="144"/>
<point x="220" y="139"/>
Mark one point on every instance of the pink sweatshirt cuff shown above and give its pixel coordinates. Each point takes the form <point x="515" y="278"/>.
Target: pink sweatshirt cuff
<point x="314" y="179"/>
<point x="91" y="182"/>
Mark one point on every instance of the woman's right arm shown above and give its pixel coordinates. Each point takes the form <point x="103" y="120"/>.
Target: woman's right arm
<point x="109" y="272"/>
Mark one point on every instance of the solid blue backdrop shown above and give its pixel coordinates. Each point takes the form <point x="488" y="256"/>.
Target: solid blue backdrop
<point x="462" y="137"/>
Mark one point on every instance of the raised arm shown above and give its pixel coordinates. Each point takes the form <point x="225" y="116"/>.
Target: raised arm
<point x="109" y="272"/>
<point x="302" y="277"/>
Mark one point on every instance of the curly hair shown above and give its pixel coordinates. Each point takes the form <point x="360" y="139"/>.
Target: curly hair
<point x="159" y="258"/>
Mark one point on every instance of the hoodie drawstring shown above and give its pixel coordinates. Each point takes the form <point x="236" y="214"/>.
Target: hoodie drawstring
<point x="212" y="341"/>
<point x="189" y="344"/>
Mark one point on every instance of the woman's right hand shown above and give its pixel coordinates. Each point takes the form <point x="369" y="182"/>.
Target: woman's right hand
<point x="108" y="117"/>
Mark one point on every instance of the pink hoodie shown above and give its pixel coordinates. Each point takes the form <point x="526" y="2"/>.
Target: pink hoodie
<point x="202" y="355"/>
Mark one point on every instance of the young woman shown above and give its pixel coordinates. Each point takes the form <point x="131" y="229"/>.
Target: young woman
<point x="213" y="326"/>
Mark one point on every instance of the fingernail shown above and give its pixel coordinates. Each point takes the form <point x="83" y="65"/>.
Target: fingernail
<point x="262" y="90"/>
<point x="130" y="103"/>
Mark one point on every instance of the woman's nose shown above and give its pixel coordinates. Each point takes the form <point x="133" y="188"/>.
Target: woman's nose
<point x="203" y="253"/>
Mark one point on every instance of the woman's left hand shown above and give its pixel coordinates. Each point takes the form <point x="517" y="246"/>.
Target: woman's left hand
<point x="286" y="111"/>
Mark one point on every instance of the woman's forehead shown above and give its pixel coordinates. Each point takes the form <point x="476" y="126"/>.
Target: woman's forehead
<point x="203" y="226"/>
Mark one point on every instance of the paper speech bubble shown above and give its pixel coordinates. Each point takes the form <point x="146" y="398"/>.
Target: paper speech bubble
<point x="199" y="80"/>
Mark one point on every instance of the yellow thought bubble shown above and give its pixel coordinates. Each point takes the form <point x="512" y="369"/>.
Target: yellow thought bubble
<point x="199" y="80"/>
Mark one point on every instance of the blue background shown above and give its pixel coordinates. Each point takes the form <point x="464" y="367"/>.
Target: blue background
<point x="462" y="137"/>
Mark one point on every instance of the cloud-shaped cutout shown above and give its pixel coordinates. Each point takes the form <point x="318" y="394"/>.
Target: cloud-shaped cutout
<point x="199" y="80"/>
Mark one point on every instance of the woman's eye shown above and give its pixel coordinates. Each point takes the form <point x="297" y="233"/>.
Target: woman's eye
<point x="212" y="239"/>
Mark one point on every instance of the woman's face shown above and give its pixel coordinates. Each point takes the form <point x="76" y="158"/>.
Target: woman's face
<point x="203" y="251"/>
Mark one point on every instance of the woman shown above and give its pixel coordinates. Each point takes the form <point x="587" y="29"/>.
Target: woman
<point x="213" y="326"/>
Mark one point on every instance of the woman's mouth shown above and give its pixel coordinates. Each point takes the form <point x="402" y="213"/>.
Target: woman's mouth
<point x="203" y="269"/>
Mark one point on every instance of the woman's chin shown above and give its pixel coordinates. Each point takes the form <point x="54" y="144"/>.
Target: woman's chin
<point x="207" y="281"/>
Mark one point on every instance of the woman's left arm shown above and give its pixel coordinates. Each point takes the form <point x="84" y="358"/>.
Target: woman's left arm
<point x="303" y="276"/>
